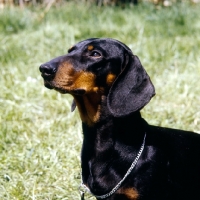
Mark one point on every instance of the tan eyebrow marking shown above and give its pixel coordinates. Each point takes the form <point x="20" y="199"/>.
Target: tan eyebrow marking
<point x="90" y="47"/>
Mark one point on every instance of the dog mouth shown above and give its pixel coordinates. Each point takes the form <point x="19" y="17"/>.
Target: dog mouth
<point x="48" y="85"/>
<point x="77" y="91"/>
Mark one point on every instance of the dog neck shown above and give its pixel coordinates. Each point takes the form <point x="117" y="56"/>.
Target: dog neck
<point x="104" y="141"/>
<point x="89" y="106"/>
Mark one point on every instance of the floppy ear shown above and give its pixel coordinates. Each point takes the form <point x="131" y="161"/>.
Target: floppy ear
<point x="132" y="89"/>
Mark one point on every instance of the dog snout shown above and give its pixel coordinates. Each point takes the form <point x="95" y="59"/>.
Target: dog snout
<point x="48" y="71"/>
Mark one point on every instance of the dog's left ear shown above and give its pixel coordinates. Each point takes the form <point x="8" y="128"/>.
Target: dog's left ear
<point x="132" y="89"/>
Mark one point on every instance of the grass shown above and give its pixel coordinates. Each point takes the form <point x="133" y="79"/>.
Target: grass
<point x="40" y="139"/>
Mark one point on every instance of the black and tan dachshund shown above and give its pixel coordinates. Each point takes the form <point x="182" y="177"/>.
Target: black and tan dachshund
<point x="123" y="157"/>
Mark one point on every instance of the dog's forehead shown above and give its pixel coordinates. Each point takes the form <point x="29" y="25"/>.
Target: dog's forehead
<point x="107" y="43"/>
<point x="103" y="43"/>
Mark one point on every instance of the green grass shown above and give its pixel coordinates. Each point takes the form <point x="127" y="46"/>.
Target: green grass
<point x="40" y="139"/>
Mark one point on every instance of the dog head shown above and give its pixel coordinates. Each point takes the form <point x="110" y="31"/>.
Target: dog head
<point x="100" y="67"/>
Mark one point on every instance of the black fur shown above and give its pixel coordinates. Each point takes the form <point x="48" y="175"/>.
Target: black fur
<point x="169" y="167"/>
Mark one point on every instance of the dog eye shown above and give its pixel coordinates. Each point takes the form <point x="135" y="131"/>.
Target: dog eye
<point x="95" y="54"/>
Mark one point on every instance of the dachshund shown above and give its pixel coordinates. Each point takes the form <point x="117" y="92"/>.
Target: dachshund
<point x="123" y="157"/>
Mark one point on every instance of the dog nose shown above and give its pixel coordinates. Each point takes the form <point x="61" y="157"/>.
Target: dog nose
<point x="48" y="70"/>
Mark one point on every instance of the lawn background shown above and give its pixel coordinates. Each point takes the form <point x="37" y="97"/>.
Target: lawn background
<point x="40" y="139"/>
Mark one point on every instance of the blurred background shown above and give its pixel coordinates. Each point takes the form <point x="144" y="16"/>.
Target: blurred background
<point x="40" y="139"/>
<point x="22" y="3"/>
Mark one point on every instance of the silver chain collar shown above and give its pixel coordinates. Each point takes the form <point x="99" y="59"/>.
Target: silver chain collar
<point x="83" y="188"/>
